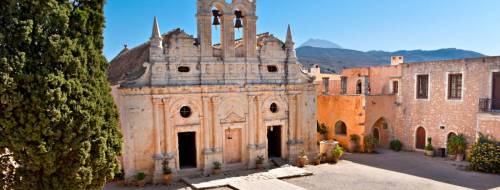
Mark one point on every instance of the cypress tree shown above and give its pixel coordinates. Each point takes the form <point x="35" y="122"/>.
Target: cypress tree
<point x="58" y="121"/>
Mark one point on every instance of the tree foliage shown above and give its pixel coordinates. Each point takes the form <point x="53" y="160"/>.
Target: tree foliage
<point x="58" y="121"/>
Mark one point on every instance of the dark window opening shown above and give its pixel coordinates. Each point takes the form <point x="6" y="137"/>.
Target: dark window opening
<point x="326" y="85"/>
<point x="272" y="68"/>
<point x="340" y="128"/>
<point x="422" y="86"/>
<point x="183" y="69"/>
<point x="455" y="86"/>
<point x="359" y="87"/>
<point x="185" y="112"/>
<point x="343" y="85"/>
<point x="274" y="108"/>
<point x="395" y="87"/>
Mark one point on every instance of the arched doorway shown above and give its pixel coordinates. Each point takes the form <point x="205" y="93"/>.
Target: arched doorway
<point x="420" y="138"/>
<point x="381" y="131"/>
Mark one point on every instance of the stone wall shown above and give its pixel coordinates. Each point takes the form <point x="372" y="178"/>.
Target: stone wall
<point x="437" y="114"/>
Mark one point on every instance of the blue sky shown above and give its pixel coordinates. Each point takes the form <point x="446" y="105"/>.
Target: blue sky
<point x="354" y="24"/>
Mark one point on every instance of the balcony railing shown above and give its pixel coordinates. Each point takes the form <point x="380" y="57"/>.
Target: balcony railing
<point x="489" y="105"/>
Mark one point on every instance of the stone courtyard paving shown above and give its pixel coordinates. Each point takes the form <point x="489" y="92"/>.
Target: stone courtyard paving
<point x="391" y="170"/>
<point x="388" y="170"/>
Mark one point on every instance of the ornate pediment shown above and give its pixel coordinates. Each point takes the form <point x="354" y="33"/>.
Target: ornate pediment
<point x="233" y="118"/>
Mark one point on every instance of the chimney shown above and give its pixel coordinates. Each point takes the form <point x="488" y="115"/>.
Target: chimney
<point x="396" y="60"/>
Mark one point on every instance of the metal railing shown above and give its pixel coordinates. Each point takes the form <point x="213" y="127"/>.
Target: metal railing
<point x="489" y="105"/>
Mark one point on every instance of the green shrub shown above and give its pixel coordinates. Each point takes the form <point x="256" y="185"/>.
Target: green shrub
<point x="354" y="138"/>
<point x="260" y="160"/>
<point x="396" y="145"/>
<point x="337" y="152"/>
<point x="370" y="143"/>
<point x="457" y="144"/>
<point x="322" y="129"/>
<point x="166" y="169"/>
<point x="140" y="176"/>
<point x="429" y="146"/>
<point x="217" y="165"/>
<point x="485" y="157"/>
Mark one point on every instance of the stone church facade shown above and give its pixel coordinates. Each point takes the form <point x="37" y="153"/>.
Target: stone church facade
<point x="191" y="102"/>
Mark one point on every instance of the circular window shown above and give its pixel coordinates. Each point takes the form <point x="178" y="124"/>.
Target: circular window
<point x="185" y="112"/>
<point x="274" y="107"/>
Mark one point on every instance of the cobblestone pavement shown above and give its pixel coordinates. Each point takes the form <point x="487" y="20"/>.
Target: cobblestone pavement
<point x="391" y="170"/>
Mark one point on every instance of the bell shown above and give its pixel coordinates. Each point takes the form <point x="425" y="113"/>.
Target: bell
<point x="216" y="21"/>
<point x="216" y="15"/>
<point x="238" y="23"/>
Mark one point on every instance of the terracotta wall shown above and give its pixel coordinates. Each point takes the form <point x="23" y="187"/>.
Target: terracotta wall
<point x="348" y="109"/>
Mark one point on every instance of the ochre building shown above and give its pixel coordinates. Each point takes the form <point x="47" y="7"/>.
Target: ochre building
<point x="193" y="101"/>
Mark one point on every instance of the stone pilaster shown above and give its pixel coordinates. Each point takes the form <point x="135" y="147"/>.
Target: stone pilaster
<point x="250" y="36"/>
<point x="227" y="41"/>
<point x="158" y="156"/>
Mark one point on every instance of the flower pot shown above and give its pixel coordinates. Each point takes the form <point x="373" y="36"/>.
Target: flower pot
<point x="121" y="183"/>
<point x="460" y="157"/>
<point x="167" y="179"/>
<point x="452" y="156"/>
<point x="259" y="166"/>
<point x="429" y="153"/>
<point x="302" y="161"/>
<point x="217" y="171"/>
<point x="353" y="147"/>
<point x="141" y="183"/>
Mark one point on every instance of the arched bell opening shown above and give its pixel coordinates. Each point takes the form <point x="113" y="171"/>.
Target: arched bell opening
<point x="217" y="33"/>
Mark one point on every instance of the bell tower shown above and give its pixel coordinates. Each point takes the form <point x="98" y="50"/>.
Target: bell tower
<point x="239" y="14"/>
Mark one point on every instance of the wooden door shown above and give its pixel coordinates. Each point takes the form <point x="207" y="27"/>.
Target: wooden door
<point x="420" y="138"/>
<point x="232" y="146"/>
<point x="495" y="103"/>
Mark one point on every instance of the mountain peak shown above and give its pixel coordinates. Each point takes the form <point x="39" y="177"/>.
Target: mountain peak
<point x="319" y="43"/>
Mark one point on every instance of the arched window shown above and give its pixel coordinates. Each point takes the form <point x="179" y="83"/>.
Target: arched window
<point x="340" y="128"/>
<point x="216" y="27"/>
<point x="359" y="87"/>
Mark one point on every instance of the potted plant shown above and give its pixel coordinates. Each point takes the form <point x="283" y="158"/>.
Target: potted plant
<point x="429" y="149"/>
<point x="167" y="173"/>
<point x="259" y="162"/>
<point x="396" y="145"/>
<point x="140" y="179"/>
<point x="217" y="167"/>
<point x="120" y="178"/>
<point x="337" y="153"/>
<point x="317" y="160"/>
<point x="451" y="149"/>
<point x="370" y="143"/>
<point x="353" y="142"/>
<point x="302" y="160"/>
<point x="460" y="145"/>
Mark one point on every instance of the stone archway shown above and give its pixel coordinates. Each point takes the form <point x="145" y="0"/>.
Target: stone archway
<point x="381" y="131"/>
